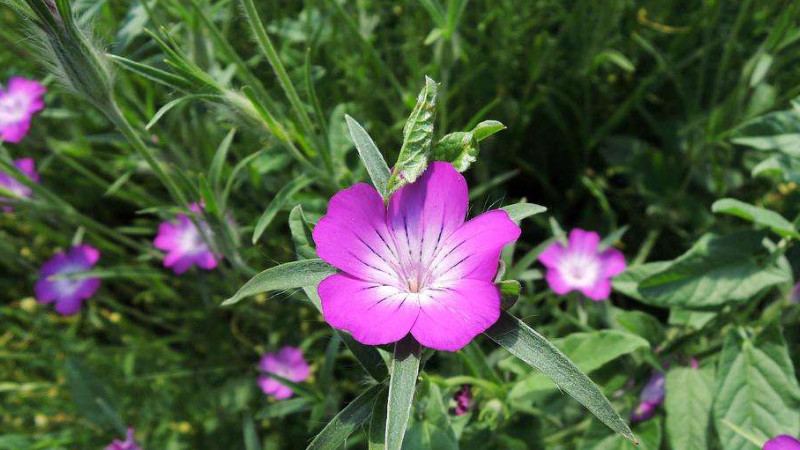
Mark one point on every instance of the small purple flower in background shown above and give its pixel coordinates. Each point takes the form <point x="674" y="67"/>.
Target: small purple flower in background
<point x="18" y="103"/>
<point x="794" y="296"/>
<point x="580" y="266"/>
<point x="415" y="266"/>
<point x="651" y="396"/>
<point x="8" y="183"/>
<point x="128" y="444"/>
<point x="184" y="243"/>
<point x="782" y="442"/>
<point x="68" y="293"/>
<point x="287" y="363"/>
<point x="463" y="399"/>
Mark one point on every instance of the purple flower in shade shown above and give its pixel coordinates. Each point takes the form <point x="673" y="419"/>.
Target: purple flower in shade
<point x="782" y="442"/>
<point x="127" y="444"/>
<point x="68" y="293"/>
<point x="463" y="399"/>
<point x="794" y="296"/>
<point x="651" y="396"/>
<point x="184" y="243"/>
<point x="287" y="363"/>
<point x="8" y="183"/>
<point x="412" y="266"/>
<point x="18" y="103"/>
<point x="581" y="266"/>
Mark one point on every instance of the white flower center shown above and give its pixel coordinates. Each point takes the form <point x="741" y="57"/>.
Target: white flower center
<point x="13" y="108"/>
<point x="580" y="270"/>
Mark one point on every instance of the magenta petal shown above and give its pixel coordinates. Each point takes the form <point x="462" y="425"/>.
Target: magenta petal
<point x="28" y="167"/>
<point x="14" y="132"/>
<point x="613" y="262"/>
<point x="372" y="313"/>
<point x="783" y="442"/>
<point x="600" y="291"/>
<point x="353" y="236"/>
<point x="583" y="241"/>
<point x="452" y="315"/>
<point x="643" y="411"/>
<point x="85" y="255"/>
<point x="69" y="306"/>
<point x="551" y="256"/>
<point x="557" y="282"/>
<point x="206" y="260"/>
<point x="45" y="291"/>
<point x="473" y="251"/>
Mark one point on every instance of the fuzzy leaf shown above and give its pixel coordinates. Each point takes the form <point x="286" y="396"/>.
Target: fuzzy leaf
<point x="291" y="275"/>
<point x="417" y="137"/>
<point x="347" y="421"/>
<point x="402" y="383"/>
<point x="461" y="148"/>
<point x="370" y="156"/>
<point x="301" y="234"/>
<point x="689" y="393"/>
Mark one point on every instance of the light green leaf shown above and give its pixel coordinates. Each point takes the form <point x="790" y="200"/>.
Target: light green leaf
<point x="642" y="324"/>
<point x="433" y="430"/>
<point x="298" y="274"/>
<point x="251" y="440"/>
<point x="715" y="271"/>
<point x="628" y="282"/>
<point x="417" y="137"/>
<point x="301" y="234"/>
<point x="689" y="393"/>
<point x="690" y="318"/>
<point x="597" y="437"/>
<point x="784" y="167"/>
<point x="774" y="131"/>
<point x="347" y="421"/>
<point x="277" y="203"/>
<point x="172" y="104"/>
<point x="402" y="383"/>
<point x="461" y="148"/>
<point x="755" y="214"/>
<point x="487" y="128"/>
<point x="218" y="162"/>
<point x="376" y="440"/>
<point x="757" y="390"/>
<point x="532" y="348"/>
<point x="509" y="293"/>
<point x="589" y="351"/>
<point x="370" y="156"/>
<point x="519" y="211"/>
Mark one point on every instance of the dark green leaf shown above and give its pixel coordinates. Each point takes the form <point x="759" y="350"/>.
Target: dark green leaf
<point x="402" y="383"/>
<point x="347" y="421"/>
<point x="291" y="275"/>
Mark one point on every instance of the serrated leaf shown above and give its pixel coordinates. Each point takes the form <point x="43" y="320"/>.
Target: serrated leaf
<point x="761" y="216"/>
<point x="757" y="389"/>
<point x="689" y="393"/>
<point x="417" y="137"/>
<point x="402" y="384"/>
<point x="347" y="421"/>
<point x="532" y="348"/>
<point x="589" y="351"/>
<point x="370" y="156"/>
<point x="715" y="271"/>
<point x="277" y="203"/>
<point x="293" y="275"/>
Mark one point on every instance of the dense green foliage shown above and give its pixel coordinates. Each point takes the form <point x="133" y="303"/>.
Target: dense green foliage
<point x="667" y="126"/>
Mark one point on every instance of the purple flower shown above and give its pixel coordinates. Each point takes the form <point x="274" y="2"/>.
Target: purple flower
<point x="287" y="363"/>
<point x="651" y="396"/>
<point x="184" y="243"/>
<point x="68" y="293"/>
<point x="782" y="442"/>
<point x="127" y="444"/>
<point x="415" y="266"/>
<point x="580" y="266"/>
<point x="463" y="399"/>
<point x="18" y="104"/>
<point x="8" y="183"/>
<point x="794" y="296"/>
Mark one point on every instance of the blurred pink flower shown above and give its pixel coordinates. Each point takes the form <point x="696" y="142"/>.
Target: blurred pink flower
<point x="18" y="103"/>
<point x="794" y="296"/>
<point x="128" y="444"/>
<point x="415" y="266"/>
<point x="651" y="396"/>
<point x="8" y="183"/>
<point x="68" y="293"/>
<point x="463" y="399"/>
<point x="782" y="442"/>
<point x="184" y="243"/>
<point x="581" y="266"/>
<point x="287" y="363"/>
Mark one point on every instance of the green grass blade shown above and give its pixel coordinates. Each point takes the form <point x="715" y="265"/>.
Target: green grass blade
<point x="277" y="203"/>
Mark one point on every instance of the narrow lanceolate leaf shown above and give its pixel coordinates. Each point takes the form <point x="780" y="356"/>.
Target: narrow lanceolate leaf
<point x="715" y="271"/>
<point x="370" y="155"/>
<point x="532" y="348"/>
<point x="775" y="131"/>
<point x="521" y="211"/>
<point x="757" y="390"/>
<point x="402" y="382"/>
<point x="347" y="421"/>
<point x="417" y="137"/>
<point x="301" y="234"/>
<point x="277" y="203"/>
<point x="760" y="216"/>
<point x="377" y="425"/>
<point x="589" y="351"/>
<point x="689" y="393"/>
<point x="217" y="164"/>
<point x="461" y="148"/>
<point x="293" y="275"/>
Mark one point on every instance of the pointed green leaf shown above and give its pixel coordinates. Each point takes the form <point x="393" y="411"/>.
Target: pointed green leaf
<point x="461" y="148"/>
<point x="291" y="275"/>
<point x="301" y="234"/>
<point x="532" y="348"/>
<point x="347" y="421"/>
<point x="402" y="383"/>
<point x="417" y="137"/>
<point x="370" y="156"/>
<point x="277" y="203"/>
<point x="760" y="216"/>
<point x="519" y="211"/>
<point x="689" y="393"/>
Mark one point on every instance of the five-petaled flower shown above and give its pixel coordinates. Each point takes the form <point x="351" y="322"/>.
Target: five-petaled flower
<point x="18" y="190"/>
<point x="18" y="103"/>
<point x="68" y="293"/>
<point x="581" y="266"/>
<point x="287" y="363"/>
<point x="651" y="396"/>
<point x="782" y="442"/>
<point x="184" y="242"/>
<point x="414" y="266"/>
<point x="128" y="444"/>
